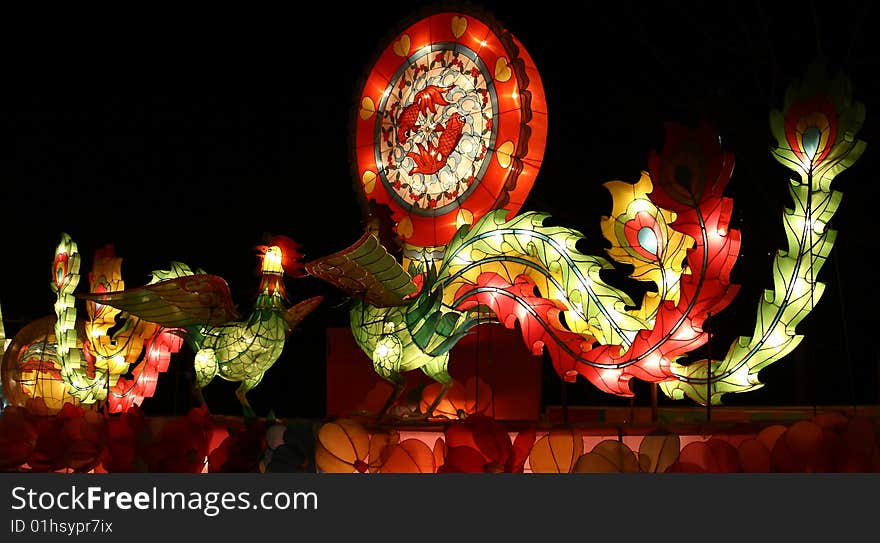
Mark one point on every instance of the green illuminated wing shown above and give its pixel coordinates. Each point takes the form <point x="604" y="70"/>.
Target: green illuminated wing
<point x="366" y="270"/>
<point x="181" y="302"/>
<point x="298" y="312"/>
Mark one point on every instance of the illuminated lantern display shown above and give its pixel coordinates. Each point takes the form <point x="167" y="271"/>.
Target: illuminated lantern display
<point x="452" y="123"/>
<point x="119" y="350"/>
<point x="398" y="331"/>
<point x="449" y="135"/>
<point x="408" y="456"/>
<point x="90" y="364"/>
<point x="609" y="456"/>
<point x="658" y="450"/>
<point x="714" y="456"/>
<point x="201" y="304"/>
<point x="815" y="137"/>
<point x="343" y="446"/>
<point x="31" y="369"/>
<point x="557" y="452"/>
<point x="83" y="380"/>
<point x="521" y="271"/>
<point x="569" y="283"/>
<point x="482" y="445"/>
<point x="641" y="236"/>
<point x="460" y="401"/>
<point x="477" y="261"/>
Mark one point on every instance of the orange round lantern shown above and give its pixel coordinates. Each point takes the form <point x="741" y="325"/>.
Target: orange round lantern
<point x="754" y="457"/>
<point x="557" y="452"/>
<point x="473" y="398"/>
<point x="408" y="456"/>
<point x="805" y="447"/>
<point x="608" y="456"/>
<point x="659" y="450"/>
<point x="713" y="456"/>
<point x="31" y="371"/>
<point x="769" y="435"/>
<point x="342" y="447"/>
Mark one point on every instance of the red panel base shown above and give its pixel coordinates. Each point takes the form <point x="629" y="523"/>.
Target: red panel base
<point x="492" y="353"/>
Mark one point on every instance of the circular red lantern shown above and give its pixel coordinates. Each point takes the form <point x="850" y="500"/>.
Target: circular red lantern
<point x="451" y="123"/>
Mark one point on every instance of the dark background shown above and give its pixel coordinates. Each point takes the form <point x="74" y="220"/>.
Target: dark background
<point x="187" y="137"/>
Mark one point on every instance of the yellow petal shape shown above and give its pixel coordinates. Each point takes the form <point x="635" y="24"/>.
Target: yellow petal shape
<point x="368" y="108"/>
<point x="459" y="25"/>
<point x="369" y="181"/>
<point x="503" y="153"/>
<point x="405" y="228"/>
<point x="502" y="70"/>
<point x="401" y="46"/>
<point x="465" y="216"/>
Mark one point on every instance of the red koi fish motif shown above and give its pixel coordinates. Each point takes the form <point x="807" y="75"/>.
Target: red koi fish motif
<point x="425" y="100"/>
<point x="431" y="159"/>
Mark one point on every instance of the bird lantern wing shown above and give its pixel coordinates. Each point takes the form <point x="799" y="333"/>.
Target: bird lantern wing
<point x="366" y="270"/>
<point x="301" y="310"/>
<point x="180" y="302"/>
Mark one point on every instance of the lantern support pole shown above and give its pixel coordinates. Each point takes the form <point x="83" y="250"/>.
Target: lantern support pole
<point x="563" y="396"/>
<point x="708" y="327"/>
<point x="654" y="415"/>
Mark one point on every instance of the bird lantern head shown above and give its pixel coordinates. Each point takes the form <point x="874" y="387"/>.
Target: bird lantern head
<point x="281" y="255"/>
<point x="278" y="256"/>
<point x="272" y="259"/>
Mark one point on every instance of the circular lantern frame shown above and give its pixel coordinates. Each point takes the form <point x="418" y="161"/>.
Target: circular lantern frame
<point x="451" y="123"/>
<point x="29" y="368"/>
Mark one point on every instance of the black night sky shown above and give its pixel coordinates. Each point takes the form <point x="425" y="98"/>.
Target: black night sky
<point x="190" y="140"/>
